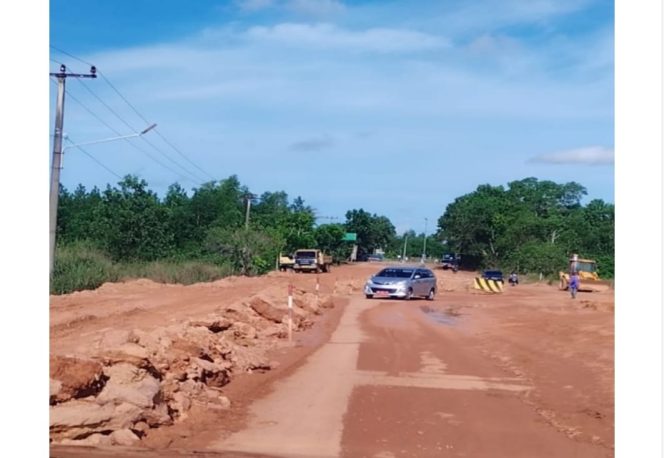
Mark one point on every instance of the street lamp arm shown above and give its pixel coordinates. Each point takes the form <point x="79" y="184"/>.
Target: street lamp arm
<point x="111" y="139"/>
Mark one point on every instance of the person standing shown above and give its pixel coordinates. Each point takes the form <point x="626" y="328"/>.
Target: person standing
<point x="574" y="284"/>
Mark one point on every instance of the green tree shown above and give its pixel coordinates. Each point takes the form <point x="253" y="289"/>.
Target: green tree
<point x="250" y="252"/>
<point x="532" y="225"/>
<point x="76" y="214"/>
<point x="131" y="224"/>
<point x="329" y="238"/>
<point x="372" y="231"/>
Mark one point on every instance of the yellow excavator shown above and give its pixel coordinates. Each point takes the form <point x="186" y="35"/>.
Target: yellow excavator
<point x="589" y="281"/>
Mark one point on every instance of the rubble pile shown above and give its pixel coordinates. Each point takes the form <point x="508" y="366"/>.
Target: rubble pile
<point x="130" y="381"/>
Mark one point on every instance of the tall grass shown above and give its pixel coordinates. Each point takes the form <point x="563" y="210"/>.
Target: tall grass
<point x="81" y="266"/>
<point x="183" y="272"/>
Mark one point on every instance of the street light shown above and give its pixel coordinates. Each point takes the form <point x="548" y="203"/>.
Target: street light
<point x="111" y="139"/>
<point x="55" y="178"/>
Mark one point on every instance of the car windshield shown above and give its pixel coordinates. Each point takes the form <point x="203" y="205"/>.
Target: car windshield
<point x="395" y="273"/>
<point x="493" y="272"/>
<point x="305" y="254"/>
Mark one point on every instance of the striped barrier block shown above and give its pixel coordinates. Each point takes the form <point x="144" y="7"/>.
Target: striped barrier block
<point x="490" y="286"/>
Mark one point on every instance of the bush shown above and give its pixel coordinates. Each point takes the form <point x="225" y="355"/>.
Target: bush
<point x="80" y="266"/>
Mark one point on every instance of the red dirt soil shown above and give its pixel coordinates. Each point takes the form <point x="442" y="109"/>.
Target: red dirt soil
<point x="557" y="352"/>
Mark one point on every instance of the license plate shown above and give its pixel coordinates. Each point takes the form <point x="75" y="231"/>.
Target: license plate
<point x="382" y="293"/>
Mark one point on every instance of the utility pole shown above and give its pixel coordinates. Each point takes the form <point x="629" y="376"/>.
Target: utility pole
<point x="424" y="249"/>
<point x="57" y="152"/>
<point x="248" y="196"/>
<point x="405" y="241"/>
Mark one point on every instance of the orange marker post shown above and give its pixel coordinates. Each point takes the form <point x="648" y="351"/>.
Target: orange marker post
<point x="290" y="313"/>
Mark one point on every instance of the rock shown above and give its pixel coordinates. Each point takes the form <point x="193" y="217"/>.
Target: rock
<point x="214" y="325"/>
<point x="326" y="302"/>
<point x="78" y="377"/>
<point x="130" y="353"/>
<point x="133" y="386"/>
<point x="55" y="387"/>
<point x="78" y="414"/>
<point x="140" y="428"/>
<point x="144" y="339"/>
<point x="96" y="440"/>
<point x="75" y="418"/>
<point x="132" y="350"/>
<point x="244" y="330"/>
<point x="308" y="302"/>
<point x="180" y="402"/>
<point x="267" y="310"/>
<point x="124" y="437"/>
<point x="210" y="373"/>
<point x="224" y="402"/>
<point x="191" y="388"/>
<point x="114" y="338"/>
<point x="157" y="416"/>
<point x="249" y="358"/>
<point x="124" y="373"/>
<point x="93" y="440"/>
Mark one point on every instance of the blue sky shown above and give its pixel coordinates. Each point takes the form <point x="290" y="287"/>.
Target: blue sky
<point x="394" y="107"/>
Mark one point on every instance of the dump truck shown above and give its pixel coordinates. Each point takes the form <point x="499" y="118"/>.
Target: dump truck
<point x="311" y="260"/>
<point x="286" y="262"/>
<point x="589" y="281"/>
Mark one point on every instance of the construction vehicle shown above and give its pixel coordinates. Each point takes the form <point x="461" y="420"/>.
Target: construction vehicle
<point x="450" y="261"/>
<point x="286" y="262"/>
<point x="311" y="260"/>
<point x="589" y="281"/>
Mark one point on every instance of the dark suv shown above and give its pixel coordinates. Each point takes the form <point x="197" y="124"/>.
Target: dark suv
<point x="495" y="275"/>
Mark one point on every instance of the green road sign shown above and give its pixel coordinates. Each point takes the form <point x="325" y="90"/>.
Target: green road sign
<point x="350" y="237"/>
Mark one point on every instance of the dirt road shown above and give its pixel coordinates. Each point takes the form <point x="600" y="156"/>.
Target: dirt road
<point x="525" y="373"/>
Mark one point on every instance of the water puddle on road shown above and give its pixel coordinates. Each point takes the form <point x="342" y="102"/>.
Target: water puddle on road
<point x="448" y="317"/>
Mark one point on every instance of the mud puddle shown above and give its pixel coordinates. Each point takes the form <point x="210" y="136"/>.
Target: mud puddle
<point x="449" y="317"/>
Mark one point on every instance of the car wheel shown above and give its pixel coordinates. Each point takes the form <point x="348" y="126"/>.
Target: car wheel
<point x="431" y="294"/>
<point x="369" y="296"/>
<point x="409" y="294"/>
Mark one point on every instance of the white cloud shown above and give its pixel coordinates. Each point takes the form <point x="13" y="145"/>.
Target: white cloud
<point x="591" y="155"/>
<point x="254" y="5"/>
<point x="316" y="7"/>
<point x="328" y="36"/>
<point x="481" y="15"/>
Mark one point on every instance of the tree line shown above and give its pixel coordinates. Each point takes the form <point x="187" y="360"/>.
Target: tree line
<point x="529" y="226"/>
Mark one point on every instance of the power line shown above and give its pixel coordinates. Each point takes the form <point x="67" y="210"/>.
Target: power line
<point x="70" y="55"/>
<point x="128" y="141"/>
<point x="107" y="106"/>
<point x="93" y="158"/>
<point x="147" y="122"/>
<point x="133" y="129"/>
<point x="177" y="150"/>
<point x="181" y="153"/>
